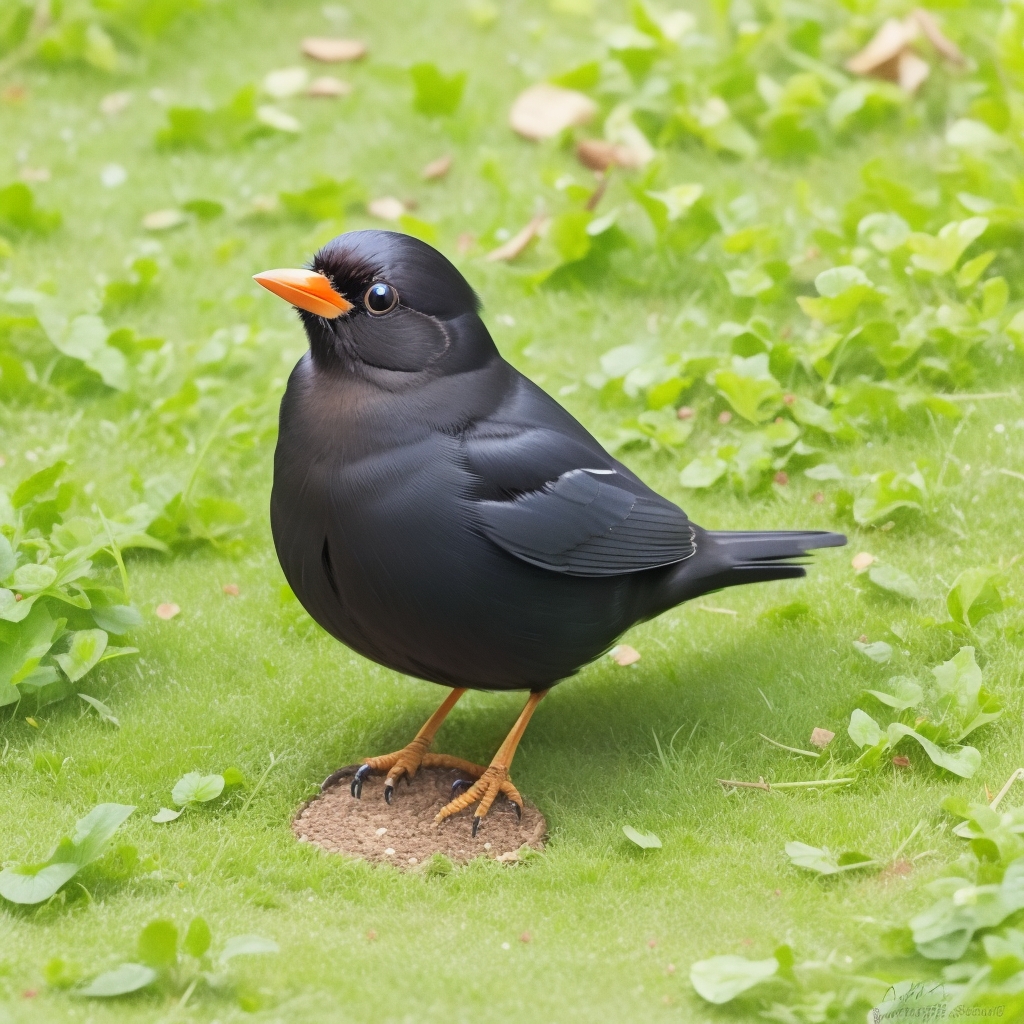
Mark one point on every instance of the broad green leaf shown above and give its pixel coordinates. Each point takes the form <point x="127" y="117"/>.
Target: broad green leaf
<point x="748" y="283"/>
<point x="8" y="560"/>
<point x="939" y="254"/>
<point x="975" y="595"/>
<point x="908" y="694"/>
<point x="723" y="978"/>
<point x="19" y="212"/>
<point x="30" y="578"/>
<point x="972" y="270"/>
<point x="197" y="789"/>
<point x="87" y="647"/>
<point x="864" y="730"/>
<point x="974" y="137"/>
<point x="894" y="581"/>
<point x="885" y="231"/>
<point x="246" y="945"/>
<point x="963" y="762"/>
<point x="93" y="832"/>
<point x="959" y="679"/>
<point x="197" y="938"/>
<point x="677" y="200"/>
<point x="325" y="199"/>
<point x="34" y="883"/>
<point x="158" y="944"/>
<point x="37" y="484"/>
<point x="823" y="861"/>
<point x="704" y="471"/>
<point x="888" y="493"/>
<point x="750" y="388"/>
<point x="119" y="982"/>
<point x="879" y="651"/>
<point x="165" y="814"/>
<point x="839" y="280"/>
<point x="645" y="840"/>
<point x="436" y="94"/>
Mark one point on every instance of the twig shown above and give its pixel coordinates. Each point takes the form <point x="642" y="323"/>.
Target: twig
<point x="792" y="750"/>
<point x="598" y="194"/>
<point x="1018" y="774"/>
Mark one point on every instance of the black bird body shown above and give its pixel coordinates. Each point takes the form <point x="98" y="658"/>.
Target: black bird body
<point x="440" y="514"/>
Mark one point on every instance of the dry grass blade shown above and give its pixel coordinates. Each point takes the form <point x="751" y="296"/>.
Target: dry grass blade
<point x="930" y="27"/>
<point x="884" y="49"/>
<point x="328" y="87"/>
<point x="436" y="168"/>
<point x="387" y="208"/>
<point x="515" y="246"/>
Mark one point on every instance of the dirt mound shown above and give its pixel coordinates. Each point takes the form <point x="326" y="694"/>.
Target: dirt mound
<point x="405" y="834"/>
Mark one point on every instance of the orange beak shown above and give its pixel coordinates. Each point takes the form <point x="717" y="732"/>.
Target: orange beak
<point x="306" y="289"/>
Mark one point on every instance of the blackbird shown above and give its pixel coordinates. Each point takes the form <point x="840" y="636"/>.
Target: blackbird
<point x="439" y="513"/>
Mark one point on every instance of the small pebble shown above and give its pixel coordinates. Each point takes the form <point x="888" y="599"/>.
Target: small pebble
<point x="487" y="846"/>
<point x="525" y="937"/>
<point x="167" y="610"/>
<point x="381" y="831"/>
<point x="505" y="945"/>
<point x="389" y="852"/>
<point x="413" y="860"/>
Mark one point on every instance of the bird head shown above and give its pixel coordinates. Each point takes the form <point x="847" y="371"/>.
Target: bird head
<point x="374" y="301"/>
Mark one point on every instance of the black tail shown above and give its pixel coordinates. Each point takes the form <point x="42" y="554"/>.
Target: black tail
<point x="727" y="558"/>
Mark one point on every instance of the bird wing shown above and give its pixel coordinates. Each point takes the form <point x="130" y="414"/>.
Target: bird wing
<point x="559" y="501"/>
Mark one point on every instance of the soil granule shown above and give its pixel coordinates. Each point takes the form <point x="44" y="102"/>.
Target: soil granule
<point x="404" y="833"/>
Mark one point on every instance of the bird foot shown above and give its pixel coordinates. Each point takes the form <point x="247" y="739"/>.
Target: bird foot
<point x="492" y="782"/>
<point x="405" y="763"/>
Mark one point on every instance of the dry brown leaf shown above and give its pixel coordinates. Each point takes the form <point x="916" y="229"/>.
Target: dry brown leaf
<point x="231" y="589"/>
<point x="625" y="655"/>
<point x="509" y="250"/>
<point x="884" y="48"/>
<point x="387" y="208"/>
<point x="163" y="220"/>
<point x="465" y="242"/>
<point x="328" y="87"/>
<point x="333" y="51"/>
<point x="34" y="174"/>
<point x="821" y="738"/>
<point x="437" y="168"/>
<point x="599" y="155"/>
<point x="545" y="110"/>
<point x="901" y="761"/>
<point x="862" y="560"/>
<point x="930" y="27"/>
<point x="911" y="71"/>
<point x="167" y="610"/>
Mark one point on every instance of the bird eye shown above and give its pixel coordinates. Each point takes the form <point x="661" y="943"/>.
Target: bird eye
<point x="380" y="298"/>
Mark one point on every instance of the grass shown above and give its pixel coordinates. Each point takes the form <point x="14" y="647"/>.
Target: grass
<point x="232" y="681"/>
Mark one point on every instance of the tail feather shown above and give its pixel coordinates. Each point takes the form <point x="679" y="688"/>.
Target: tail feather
<point x="757" y="546"/>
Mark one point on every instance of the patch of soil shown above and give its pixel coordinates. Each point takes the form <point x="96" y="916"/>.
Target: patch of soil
<point x="404" y="833"/>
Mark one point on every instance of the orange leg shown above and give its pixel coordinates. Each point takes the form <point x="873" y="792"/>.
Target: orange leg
<point x="494" y="779"/>
<point x="407" y="761"/>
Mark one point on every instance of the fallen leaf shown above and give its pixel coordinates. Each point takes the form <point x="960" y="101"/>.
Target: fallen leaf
<point x="114" y="102"/>
<point x="328" y="87"/>
<point x="437" y="168"/>
<point x="526" y="936"/>
<point x="623" y="654"/>
<point x="821" y="738"/>
<point x="465" y="242"/>
<point x="911" y="71"/>
<point x="509" y="250"/>
<point x="880" y="55"/>
<point x="930" y="27"/>
<point x="387" y="208"/>
<point x="285" y="82"/>
<point x="863" y="638"/>
<point x="163" y="220"/>
<point x="598" y="155"/>
<point x="862" y="560"/>
<point x="901" y="761"/>
<point x="34" y="174"/>
<point x="167" y="610"/>
<point x="14" y="94"/>
<point x="231" y="589"/>
<point x="507" y="858"/>
<point x="333" y="51"/>
<point x="544" y="110"/>
<point x="278" y="119"/>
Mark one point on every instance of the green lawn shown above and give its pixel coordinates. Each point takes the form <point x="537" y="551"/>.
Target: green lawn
<point x="232" y="681"/>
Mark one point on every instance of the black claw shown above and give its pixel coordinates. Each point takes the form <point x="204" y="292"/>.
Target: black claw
<point x="458" y="785"/>
<point x="476" y="826"/>
<point x="388" y="791"/>
<point x="357" y="781"/>
<point x="518" y="809"/>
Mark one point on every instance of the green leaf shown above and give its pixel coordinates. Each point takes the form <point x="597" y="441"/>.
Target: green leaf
<point x="864" y="730"/>
<point x="969" y="273"/>
<point x="888" y="493"/>
<point x="842" y="291"/>
<point x="37" y="484"/>
<point x="246" y="945"/>
<point x="19" y="213"/>
<point x="885" y="231"/>
<point x="93" y="832"/>
<point x="87" y="647"/>
<point x="197" y="938"/>
<point x="31" y="578"/>
<point x="436" y="94"/>
<point x="325" y="199"/>
<point x="908" y="694"/>
<point x="975" y="595"/>
<point x="158" y="944"/>
<point x="749" y="283"/>
<point x="165" y="814"/>
<point x="34" y="883"/>
<point x="963" y="762"/>
<point x="894" y="581"/>
<point x="939" y="254"/>
<point x="119" y="982"/>
<point x="196" y="788"/>
<point x="823" y="862"/>
<point x="750" y="388"/>
<point x="702" y="472"/>
<point x="723" y="978"/>
<point x="645" y="840"/>
<point x="879" y="651"/>
<point x="106" y="715"/>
